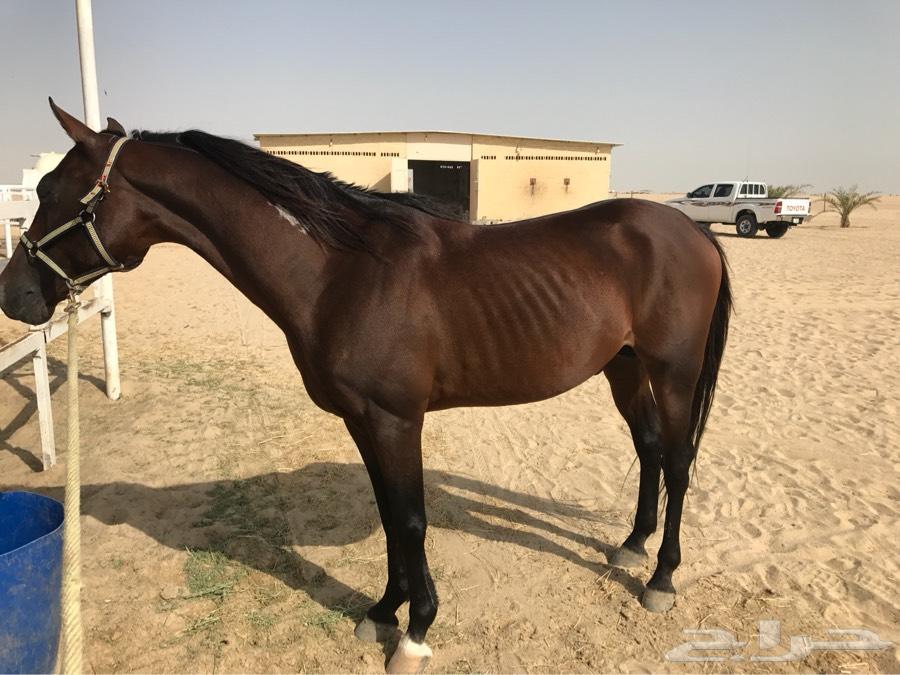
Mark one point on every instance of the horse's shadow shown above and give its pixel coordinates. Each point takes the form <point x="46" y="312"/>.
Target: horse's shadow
<point x="260" y="521"/>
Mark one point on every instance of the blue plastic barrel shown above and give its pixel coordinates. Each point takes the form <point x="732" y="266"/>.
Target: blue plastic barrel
<point x="30" y="576"/>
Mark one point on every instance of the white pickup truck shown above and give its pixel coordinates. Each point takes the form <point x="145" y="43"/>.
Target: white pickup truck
<point x="743" y="204"/>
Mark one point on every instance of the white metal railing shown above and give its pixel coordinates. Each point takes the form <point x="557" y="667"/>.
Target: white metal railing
<point x="18" y="204"/>
<point x="34" y="344"/>
<point x="16" y="193"/>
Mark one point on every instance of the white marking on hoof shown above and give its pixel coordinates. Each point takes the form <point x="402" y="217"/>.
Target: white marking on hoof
<point x="410" y="657"/>
<point x="368" y="630"/>
<point x="657" y="601"/>
<point x="625" y="557"/>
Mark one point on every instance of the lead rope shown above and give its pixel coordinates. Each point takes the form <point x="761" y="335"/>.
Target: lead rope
<point x="71" y="583"/>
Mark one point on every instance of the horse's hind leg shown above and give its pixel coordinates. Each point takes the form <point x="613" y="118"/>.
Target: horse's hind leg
<point x="630" y="387"/>
<point x="380" y="622"/>
<point x="673" y="387"/>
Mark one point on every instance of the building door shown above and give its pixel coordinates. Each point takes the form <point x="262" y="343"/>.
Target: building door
<point x="447" y="182"/>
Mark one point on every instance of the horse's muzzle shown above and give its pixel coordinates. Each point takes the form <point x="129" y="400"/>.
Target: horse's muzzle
<point x="24" y="305"/>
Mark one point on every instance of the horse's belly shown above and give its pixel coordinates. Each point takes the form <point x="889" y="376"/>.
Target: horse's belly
<point x="509" y="367"/>
<point x="522" y="328"/>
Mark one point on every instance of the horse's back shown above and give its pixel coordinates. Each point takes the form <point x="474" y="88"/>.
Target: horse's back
<point x="618" y="246"/>
<point x="529" y="309"/>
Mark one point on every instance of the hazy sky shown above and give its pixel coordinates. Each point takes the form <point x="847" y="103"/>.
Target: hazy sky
<point x="786" y="92"/>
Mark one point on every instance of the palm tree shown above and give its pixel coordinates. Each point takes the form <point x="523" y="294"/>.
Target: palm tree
<point x="845" y="201"/>
<point x="786" y="191"/>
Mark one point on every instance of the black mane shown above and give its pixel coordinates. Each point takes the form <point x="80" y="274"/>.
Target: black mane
<point x="320" y="202"/>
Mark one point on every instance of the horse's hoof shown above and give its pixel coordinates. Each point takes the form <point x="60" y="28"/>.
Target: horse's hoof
<point x="368" y="630"/>
<point x="657" y="601"/>
<point x="625" y="557"/>
<point x="410" y="657"/>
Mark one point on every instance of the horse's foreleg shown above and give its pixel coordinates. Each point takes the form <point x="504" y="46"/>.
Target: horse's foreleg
<point x="630" y="387"/>
<point x="380" y="622"/>
<point x="674" y="392"/>
<point x="397" y="449"/>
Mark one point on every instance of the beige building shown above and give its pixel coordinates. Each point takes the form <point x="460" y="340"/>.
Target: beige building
<point x="487" y="178"/>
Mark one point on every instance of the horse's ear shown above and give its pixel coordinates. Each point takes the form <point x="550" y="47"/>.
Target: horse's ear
<point x="113" y="127"/>
<point x="77" y="130"/>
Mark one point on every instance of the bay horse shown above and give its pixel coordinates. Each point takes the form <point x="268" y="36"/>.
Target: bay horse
<point x="392" y="310"/>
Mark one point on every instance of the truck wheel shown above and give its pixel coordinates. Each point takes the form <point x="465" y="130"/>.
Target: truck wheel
<point x="776" y="230"/>
<point x="746" y="225"/>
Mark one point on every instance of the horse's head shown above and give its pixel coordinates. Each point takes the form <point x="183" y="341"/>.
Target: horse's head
<point x="30" y="287"/>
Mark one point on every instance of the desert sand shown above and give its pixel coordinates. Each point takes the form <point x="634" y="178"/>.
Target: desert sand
<point x="229" y="525"/>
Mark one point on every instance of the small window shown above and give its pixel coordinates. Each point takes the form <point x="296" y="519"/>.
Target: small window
<point x="743" y="192"/>
<point x="724" y="190"/>
<point x="702" y="192"/>
<point x="756" y="189"/>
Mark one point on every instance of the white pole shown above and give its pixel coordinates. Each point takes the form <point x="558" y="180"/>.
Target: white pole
<point x="45" y="410"/>
<point x="88" y="64"/>
<point x="7" y="236"/>
<point x="103" y="288"/>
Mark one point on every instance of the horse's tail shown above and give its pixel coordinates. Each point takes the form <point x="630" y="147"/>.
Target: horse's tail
<point x="715" y="347"/>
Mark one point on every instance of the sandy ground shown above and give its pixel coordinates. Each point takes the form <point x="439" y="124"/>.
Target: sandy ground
<point x="229" y="525"/>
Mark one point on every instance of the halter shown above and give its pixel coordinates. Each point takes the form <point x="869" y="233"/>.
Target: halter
<point x="85" y="217"/>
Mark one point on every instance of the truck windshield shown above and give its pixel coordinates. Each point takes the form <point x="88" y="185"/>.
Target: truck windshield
<point x="702" y="192"/>
<point x="724" y="190"/>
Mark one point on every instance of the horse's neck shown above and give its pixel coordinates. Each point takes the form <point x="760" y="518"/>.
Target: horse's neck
<point x="246" y="238"/>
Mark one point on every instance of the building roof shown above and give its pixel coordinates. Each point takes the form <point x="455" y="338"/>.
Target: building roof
<point x="453" y="133"/>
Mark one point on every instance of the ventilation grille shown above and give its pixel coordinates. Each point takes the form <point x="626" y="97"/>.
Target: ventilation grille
<point x="323" y="153"/>
<point x="547" y="158"/>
